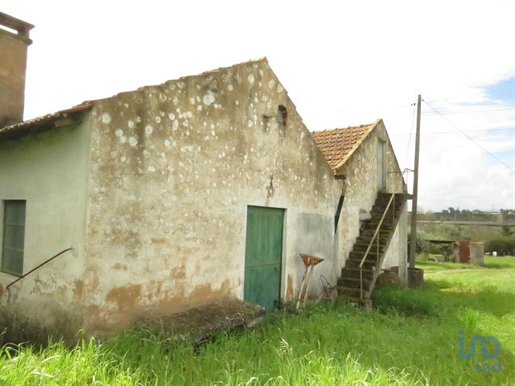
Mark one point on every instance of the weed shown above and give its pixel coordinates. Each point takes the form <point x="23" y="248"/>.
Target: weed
<point x="410" y="337"/>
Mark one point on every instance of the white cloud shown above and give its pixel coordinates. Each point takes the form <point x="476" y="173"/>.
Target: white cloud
<point x="343" y="63"/>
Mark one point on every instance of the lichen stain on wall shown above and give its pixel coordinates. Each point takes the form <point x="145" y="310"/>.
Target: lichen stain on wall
<point x="200" y="295"/>
<point x="120" y="267"/>
<point x="125" y="297"/>
<point x="178" y="273"/>
<point x="78" y="289"/>
<point x="173" y="168"/>
<point x="289" y="288"/>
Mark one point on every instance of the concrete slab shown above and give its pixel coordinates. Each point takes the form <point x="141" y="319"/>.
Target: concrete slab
<point x="201" y="322"/>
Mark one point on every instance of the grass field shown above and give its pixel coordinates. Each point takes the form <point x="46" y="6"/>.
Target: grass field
<point x="410" y="337"/>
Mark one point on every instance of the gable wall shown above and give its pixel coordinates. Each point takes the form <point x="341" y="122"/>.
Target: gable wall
<point x="174" y="168"/>
<point x="361" y="187"/>
<point x="49" y="171"/>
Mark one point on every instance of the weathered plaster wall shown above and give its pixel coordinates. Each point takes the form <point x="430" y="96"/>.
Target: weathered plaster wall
<point x="174" y="168"/>
<point x="361" y="188"/>
<point x="49" y="171"/>
<point x="397" y="254"/>
<point x="477" y="253"/>
<point x="315" y="236"/>
<point x="13" y="62"/>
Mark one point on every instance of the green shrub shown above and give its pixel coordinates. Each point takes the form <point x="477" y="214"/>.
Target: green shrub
<point x="503" y="245"/>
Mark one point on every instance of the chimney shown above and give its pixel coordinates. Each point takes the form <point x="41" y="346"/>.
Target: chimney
<point x="14" y="42"/>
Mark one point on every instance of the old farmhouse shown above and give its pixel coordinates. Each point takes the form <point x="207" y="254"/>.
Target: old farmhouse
<point x="173" y="196"/>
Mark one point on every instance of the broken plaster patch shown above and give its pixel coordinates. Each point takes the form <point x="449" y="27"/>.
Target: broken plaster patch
<point x="209" y="98"/>
<point x="106" y="118"/>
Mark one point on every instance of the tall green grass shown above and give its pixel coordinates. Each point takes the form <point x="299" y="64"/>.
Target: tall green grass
<point x="410" y="337"/>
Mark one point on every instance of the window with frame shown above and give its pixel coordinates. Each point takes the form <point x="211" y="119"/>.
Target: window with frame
<point x="13" y="236"/>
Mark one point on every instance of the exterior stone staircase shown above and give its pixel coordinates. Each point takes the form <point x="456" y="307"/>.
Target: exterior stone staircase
<point x="357" y="284"/>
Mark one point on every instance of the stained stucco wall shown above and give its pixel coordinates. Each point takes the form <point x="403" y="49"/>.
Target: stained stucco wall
<point x="397" y="254"/>
<point x="49" y="171"/>
<point x="361" y="190"/>
<point x="13" y="62"/>
<point x="174" y="168"/>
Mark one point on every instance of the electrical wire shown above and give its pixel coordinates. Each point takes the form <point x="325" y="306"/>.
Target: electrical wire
<point x="462" y="132"/>
<point x="452" y="132"/>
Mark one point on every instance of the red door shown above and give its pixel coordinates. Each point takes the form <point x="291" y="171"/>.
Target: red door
<point x="464" y="252"/>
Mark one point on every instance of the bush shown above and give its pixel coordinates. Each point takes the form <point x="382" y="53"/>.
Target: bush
<point x="503" y="245"/>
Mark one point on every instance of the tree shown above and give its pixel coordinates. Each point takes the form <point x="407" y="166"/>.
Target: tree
<point x="506" y="231"/>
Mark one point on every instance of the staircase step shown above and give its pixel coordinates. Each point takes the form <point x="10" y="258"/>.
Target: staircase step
<point x="367" y="264"/>
<point x="363" y="247"/>
<point x="354" y="282"/>
<point x="367" y="274"/>
<point x="369" y="233"/>
<point x="363" y="240"/>
<point x="375" y="220"/>
<point x="371" y="226"/>
<point x="358" y="255"/>
<point x="352" y="292"/>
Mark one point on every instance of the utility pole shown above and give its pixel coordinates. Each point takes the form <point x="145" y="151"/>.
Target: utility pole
<point x="413" y="236"/>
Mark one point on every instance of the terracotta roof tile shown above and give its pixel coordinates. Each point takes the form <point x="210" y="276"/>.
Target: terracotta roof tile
<point x="338" y="145"/>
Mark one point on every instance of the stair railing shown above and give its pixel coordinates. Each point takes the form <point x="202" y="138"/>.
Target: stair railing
<point x="375" y="237"/>
<point x="72" y="248"/>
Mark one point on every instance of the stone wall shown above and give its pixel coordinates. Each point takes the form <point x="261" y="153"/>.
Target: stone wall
<point x="174" y="168"/>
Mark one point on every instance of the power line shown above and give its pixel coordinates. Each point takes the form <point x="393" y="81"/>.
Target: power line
<point x="453" y="132"/>
<point x="476" y="110"/>
<point x="462" y="132"/>
<point x="449" y="112"/>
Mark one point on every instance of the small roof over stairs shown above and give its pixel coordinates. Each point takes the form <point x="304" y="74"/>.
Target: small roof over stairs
<point x="338" y="145"/>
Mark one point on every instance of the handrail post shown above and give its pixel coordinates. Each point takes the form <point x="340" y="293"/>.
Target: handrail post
<point x="377" y="249"/>
<point x="361" y="283"/>
<point x="393" y="208"/>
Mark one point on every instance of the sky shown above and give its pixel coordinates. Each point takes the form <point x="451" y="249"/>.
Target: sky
<point x="343" y="63"/>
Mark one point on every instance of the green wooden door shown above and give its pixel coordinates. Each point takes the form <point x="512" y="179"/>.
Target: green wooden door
<point x="263" y="255"/>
